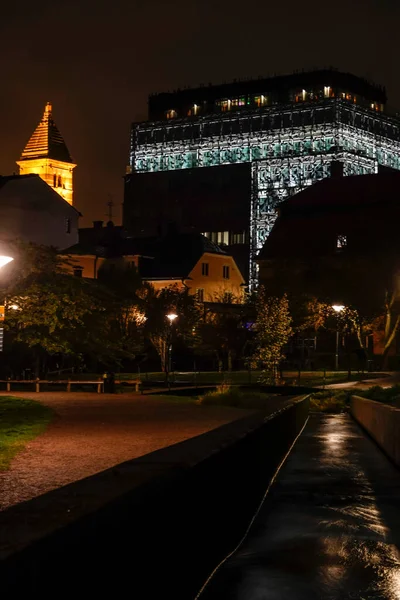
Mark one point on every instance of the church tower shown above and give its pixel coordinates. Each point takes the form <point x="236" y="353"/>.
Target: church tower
<point x="47" y="155"/>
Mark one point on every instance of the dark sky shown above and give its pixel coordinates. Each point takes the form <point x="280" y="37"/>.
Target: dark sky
<point x="97" y="60"/>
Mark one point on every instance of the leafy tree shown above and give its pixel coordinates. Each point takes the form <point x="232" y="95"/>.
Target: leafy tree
<point x="222" y="330"/>
<point x="51" y="312"/>
<point x="159" y="330"/>
<point x="273" y="331"/>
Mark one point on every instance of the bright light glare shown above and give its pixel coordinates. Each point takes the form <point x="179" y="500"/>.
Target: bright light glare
<point x="14" y="307"/>
<point x="172" y="317"/>
<point x="4" y="260"/>
<point x="338" y="308"/>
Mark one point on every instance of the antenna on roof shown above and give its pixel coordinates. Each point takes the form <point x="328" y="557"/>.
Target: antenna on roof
<point x="110" y="205"/>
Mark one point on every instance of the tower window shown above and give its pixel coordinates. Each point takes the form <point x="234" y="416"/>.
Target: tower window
<point x="67" y="225"/>
<point x="204" y="269"/>
<point x="59" y="181"/>
<point x="225" y="272"/>
<point x="54" y="180"/>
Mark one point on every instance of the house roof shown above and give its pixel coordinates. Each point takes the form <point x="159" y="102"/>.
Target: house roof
<point x="30" y="192"/>
<point x="173" y="256"/>
<point x="46" y="141"/>
<point x="176" y="254"/>
<point x="365" y="208"/>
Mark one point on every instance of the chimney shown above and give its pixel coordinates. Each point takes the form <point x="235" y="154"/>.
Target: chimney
<point x="97" y="224"/>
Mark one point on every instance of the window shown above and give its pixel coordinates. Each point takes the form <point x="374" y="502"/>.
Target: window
<point x="171" y="114"/>
<point x="54" y="180"/>
<point x="224" y="105"/>
<point x="78" y="271"/>
<point x="260" y="100"/>
<point x="238" y="102"/>
<point x="218" y="237"/>
<point x="200" y="295"/>
<point x="67" y="225"/>
<point x="59" y="181"/>
<point x="204" y="269"/>
<point x="341" y="242"/>
<point x="225" y="272"/>
<point x="194" y="111"/>
<point x="238" y="238"/>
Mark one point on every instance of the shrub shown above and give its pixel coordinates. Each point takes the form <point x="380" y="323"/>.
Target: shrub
<point x="225" y="395"/>
<point x="330" y="401"/>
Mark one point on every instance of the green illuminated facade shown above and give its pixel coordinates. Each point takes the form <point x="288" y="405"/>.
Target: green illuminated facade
<point x="293" y="130"/>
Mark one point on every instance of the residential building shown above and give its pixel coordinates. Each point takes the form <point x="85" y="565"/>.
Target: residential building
<point x="338" y="240"/>
<point x="32" y="211"/>
<point x="184" y="260"/>
<point x="47" y="155"/>
<point x="220" y="159"/>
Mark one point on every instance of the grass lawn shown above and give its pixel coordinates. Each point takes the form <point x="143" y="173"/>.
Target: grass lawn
<point x="20" y="421"/>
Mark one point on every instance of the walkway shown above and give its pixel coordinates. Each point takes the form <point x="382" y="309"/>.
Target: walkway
<point x="93" y="432"/>
<point x="328" y="529"/>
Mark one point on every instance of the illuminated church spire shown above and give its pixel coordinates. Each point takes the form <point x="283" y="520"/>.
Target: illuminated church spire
<point x="47" y="155"/>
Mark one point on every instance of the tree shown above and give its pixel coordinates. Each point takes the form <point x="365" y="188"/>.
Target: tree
<point x="159" y="330"/>
<point x="222" y="330"/>
<point x="273" y="331"/>
<point x="52" y="312"/>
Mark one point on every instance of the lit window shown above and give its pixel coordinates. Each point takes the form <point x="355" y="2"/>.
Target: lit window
<point x="304" y="95"/>
<point x="200" y="295"/>
<point x="67" y="225"/>
<point x="204" y="269"/>
<point x="260" y="100"/>
<point x="224" y="105"/>
<point x="223" y="237"/>
<point x="225" y="272"/>
<point x="194" y="110"/>
<point x="341" y="242"/>
<point x="238" y="238"/>
<point x="171" y="114"/>
<point x="238" y="102"/>
<point x="327" y="91"/>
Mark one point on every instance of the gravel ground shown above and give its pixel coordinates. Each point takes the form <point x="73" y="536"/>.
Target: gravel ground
<point x="92" y="432"/>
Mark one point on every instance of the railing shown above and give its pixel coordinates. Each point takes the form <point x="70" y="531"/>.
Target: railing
<point x="99" y="383"/>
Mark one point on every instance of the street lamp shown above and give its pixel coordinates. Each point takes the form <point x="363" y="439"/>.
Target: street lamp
<point x="338" y="308"/>
<point x="171" y="317"/>
<point x="4" y="260"/>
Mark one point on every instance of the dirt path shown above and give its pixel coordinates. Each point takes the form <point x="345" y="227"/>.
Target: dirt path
<point x="93" y="432"/>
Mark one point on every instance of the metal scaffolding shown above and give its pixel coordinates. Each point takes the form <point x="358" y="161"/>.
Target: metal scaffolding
<point x="289" y="147"/>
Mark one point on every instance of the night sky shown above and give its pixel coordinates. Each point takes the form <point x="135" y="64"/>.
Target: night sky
<point x="97" y="61"/>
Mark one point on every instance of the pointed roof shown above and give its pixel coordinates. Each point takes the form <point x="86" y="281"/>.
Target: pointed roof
<point x="46" y="141"/>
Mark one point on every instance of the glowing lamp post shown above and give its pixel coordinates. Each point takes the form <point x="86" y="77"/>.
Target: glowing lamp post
<point x="168" y="363"/>
<point x="4" y="260"/>
<point x="338" y="308"/>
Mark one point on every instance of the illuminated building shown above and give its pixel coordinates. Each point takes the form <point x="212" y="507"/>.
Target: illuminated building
<point x="286" y="133"/>
<point x="47" y="155"/>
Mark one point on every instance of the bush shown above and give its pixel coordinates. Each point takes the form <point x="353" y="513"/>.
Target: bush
<point x="225" y="395"/>
<point x="330" y="401"/>
<point x="386" y="395"/>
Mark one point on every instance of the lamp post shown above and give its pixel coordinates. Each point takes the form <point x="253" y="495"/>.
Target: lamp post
<point x="171" y="317"/>
<point x="338" y="308"/>
<point x="4" y="260"/>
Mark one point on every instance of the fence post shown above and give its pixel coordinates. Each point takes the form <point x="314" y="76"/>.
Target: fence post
<point x="68" y="385"/>
<point x="99" y="386"/>
<point x="8" y="385"/>
<point x="38" y="385"/>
